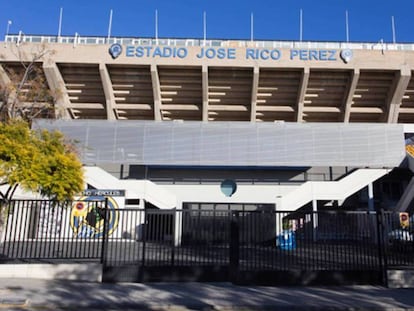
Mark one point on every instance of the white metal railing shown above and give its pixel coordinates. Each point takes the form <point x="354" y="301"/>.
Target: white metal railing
<point x="77" y="39"/>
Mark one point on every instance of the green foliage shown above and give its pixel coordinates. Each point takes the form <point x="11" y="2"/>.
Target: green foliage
<point x="286" y="225"/>
<point x="38" y="161"/>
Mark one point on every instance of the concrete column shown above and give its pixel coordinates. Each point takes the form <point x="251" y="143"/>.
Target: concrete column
<point x="395" y="97"/>
<point x="278" y="218"/>
<point x="255" y="86"/>
<point x="350" y="95"/>
<point x="315" y="217"/>
<point x="178" y="227"/>
<point x="302" y="92"/>
<point x="109" y="92"/>
<point x="57" y="84"/>
<point x="156" y="88"/>
<point x="204" y="75"/>
<point x="371" y="206"/>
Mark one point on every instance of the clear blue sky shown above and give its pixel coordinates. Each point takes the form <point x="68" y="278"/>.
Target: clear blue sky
<point x="323" y="20"/>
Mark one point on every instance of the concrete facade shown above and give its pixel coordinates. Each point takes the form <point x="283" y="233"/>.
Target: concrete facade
<point x="230" y="81"/>
<point x="211" y="82"/>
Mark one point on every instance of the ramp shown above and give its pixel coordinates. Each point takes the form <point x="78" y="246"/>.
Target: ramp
<point x="136" y="189"/>
<point x="330" y="190"/>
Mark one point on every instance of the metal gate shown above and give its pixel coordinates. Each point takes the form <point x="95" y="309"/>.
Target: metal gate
<point x="243" y="246"/>
<point x="169" y="245"/>
<point x="261" y="247"/>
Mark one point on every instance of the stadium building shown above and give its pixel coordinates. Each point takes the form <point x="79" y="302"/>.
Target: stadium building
<point x="223" y="124"/>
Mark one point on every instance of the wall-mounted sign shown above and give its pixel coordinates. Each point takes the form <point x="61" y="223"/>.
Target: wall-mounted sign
<point x="274" y="54"/>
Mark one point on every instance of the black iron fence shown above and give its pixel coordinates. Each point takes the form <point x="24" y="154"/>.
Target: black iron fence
<point x="211" y="245"/>
<point x="40" y="230"/>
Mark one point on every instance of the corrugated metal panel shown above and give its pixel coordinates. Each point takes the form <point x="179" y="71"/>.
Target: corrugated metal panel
<point x="235" y="143"/>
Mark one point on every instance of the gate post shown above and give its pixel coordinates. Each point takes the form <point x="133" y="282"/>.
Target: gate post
<point x="234" y="246"/>
<point x="382" y="252"/>
<point x="104" y="233"/>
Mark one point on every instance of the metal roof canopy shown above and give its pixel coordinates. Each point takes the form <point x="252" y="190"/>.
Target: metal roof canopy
<point x="234" y="143"/>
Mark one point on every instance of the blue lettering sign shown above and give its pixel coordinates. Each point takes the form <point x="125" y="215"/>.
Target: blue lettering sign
<point x="275" y="54"/>
<point x="226" y="53"/>
<point x="220" y="53"/>
<point x="231" y="53"/>
<point x="129" y="51"/>
<point x="149" y="51"/>
<point x="250" y="54"/>
<point x="264" y="54"/>
<point x="319" y="55"/>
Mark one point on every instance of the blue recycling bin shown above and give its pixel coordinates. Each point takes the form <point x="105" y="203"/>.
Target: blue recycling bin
<point x="286" y="240"/>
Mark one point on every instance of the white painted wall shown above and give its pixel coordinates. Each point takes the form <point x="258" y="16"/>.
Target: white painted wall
<point x="244" y="194"/>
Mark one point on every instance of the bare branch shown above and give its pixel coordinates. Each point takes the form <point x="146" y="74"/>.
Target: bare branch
<point x="28" y="85"/>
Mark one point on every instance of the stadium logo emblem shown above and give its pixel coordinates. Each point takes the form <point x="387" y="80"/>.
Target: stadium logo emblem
<point x="115" y="50"/>
<point x="346" y="55"/>
<point x="88" y="216"/>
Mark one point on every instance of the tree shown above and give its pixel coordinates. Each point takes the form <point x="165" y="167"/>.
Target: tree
<point x="25" y="93"/>
<point x="38" y="161"/>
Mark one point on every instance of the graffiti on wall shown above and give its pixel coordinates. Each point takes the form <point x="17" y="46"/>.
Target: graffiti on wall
<point x="88" y="216"/>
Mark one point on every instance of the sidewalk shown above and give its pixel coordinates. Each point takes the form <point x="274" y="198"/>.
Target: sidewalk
<point x="34" y="294"/>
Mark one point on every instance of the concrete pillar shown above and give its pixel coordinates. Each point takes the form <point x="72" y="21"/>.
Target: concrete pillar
<point x="278" y="218"/>
<point x="156" y="89"/>
<point x="178" y="223"/>
<point x="204" y="75"/>
<point x="108" y="91"/>
<point x="371" y="206"/>
<point x="400" y="84"/>
<point x="350" y="94"/>
<point x="315" y="217"/>
<point x="255" y="86"/>
<point x="302" y="92"/>
<point x="57" y="84"/>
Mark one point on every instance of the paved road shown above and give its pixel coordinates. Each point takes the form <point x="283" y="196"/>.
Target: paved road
<point x="34" y="294"/>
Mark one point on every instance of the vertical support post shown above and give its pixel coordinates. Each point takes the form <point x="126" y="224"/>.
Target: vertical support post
<point x="382" y="253"/>
<point x="315" y="217"/>
<point x="104" y="233"/>
<point x="370" y="197"/>
<point x="144" y="238"/>
<point x="204" y="28"/>
<point x="300" y="25"/>
<point x="347" y="26"/>
<point x="234" y="245"/>
<point x="178" y="226"/>
<point x="174" y="214"/>
<point x="278" y="216"/>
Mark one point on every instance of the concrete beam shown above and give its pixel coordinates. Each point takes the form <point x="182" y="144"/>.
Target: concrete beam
<point x="401" y="81"/>
<point x="156" y="89"/>
<point x="205" y="92"/>
<point x="301" y="94"/>
<point x="109" y="92"/>
<point x="57" y="85"/>
<point x="255" y="86"/>
<point x="350" y="94"/>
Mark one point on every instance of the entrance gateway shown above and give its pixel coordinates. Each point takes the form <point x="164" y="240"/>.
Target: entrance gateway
<point x="242" y="243"/>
